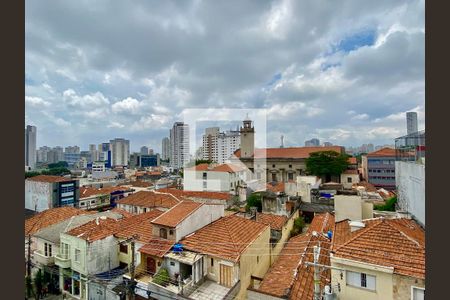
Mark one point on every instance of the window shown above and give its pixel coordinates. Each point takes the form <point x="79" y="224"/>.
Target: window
<point x="290" y="176"/>
<point x="135" y="209"/>
<point x="82" y="203"/>
<point x="205" y="184"/>
<point x="257" y="259"/>
<point x="361" y="280"/>
<point x="274" y="177"/>
<point x="47" y="249"/>
<point x="290" y="166"/>
<point x="163" y="233"/>
<point x="92" y="201"/>
<point x="172" y="263"/>
<point x="273" y="166"/>
<point x="417" y="293"/>
<point x="171" y="232"/>
<point x="145" y="209"/>
<point x="159" y="263"/>
<point x="123" y="248"/>
<point x="205" y="175"/>
<point x="349" y="179"/>
<point x="65" y="250"/>
<point x="212" y="262"/>
<point x="77" y="255"/>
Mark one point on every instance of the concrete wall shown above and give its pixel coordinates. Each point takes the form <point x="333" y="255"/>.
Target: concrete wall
<point x="367" y="210"/>
<point x="383" y="281"/>
<point x="255" y="295"/>
<point x="347" y="207"/>
<point x="284" y="237"/>
<point x="216" y="181"/>
<point x="204" y="215"/>
<point x="403" y="284"/>
<point x="255" y="261"/>
<point x="102" y="255"/>
<point x="410" y="182"/>
<point x="38" y="195"/>
<point x="344" y="180"/>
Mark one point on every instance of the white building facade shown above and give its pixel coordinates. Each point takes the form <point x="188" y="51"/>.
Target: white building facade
<point x="219" y="146"/>
<point x="30" y="146"/>
<point x="120" y="152"/>
<point x="179" y="145"/>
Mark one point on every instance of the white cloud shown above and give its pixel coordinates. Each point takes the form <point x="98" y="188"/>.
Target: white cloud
<point x="113" y="124"/>
<point x="36" y="101"/>
<point x="85" y="101"/>
<point x="128" y="105"/>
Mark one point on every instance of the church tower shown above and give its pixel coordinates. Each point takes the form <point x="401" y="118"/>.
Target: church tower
<point x="247" y="139"/>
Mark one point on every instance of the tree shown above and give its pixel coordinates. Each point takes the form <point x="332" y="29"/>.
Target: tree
<point x="162" y="277"/>
<point x="388" y="206"/>
<point x="326" y="163"/>
<point x="60" y="164"/>
<point x="254" y="200"/>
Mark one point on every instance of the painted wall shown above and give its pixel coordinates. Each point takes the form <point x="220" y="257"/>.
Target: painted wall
<point x="216" y="181"/>
<point x="403" y="284"/>
<point x="347" y="207"/>
<point x="38" y="195"/>
<point x="410" y="182"/>
<point x="203" y="216"/>
<point x="383" y="281"/>
<point x="284" y="237"/>
<point x="254" y="261"/>
<point x="344" y="180"/>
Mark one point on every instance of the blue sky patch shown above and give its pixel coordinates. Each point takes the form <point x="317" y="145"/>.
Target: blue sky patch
<point x="357" y="40"/>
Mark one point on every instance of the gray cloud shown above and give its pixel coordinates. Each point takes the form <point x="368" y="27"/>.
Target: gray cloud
<point x="112" y="69"/>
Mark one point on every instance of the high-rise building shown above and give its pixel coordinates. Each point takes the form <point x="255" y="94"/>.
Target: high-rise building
<point x="179" y="145"/>
<point x="165" y="149"/>
<point x="59" y="153"/>
<point x="104" y="147"/>
<point x="327" y="144"/>
<point x="219" y="146"/>
<point x="144" y="150"/>
<point x="72" y="150"/>
<point x="30" y="146"/>
<point x="411" y="122"/>
<point x="42" y="154"/>
<point x="120" y="152"/>
<point x="312" y="143"/>
<point x="151" y="151"/>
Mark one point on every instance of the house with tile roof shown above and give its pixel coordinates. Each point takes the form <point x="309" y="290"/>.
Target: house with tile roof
<point x="231" y="250"/>
<point x="97" y="198"/>
<point x="144" y="201"/>
<point x="290" y="277"/>
<point x="44" y="192"/>
<point x="379" y="168"/>
<point x="214" y="178"/>
<point x="223" y="198"/>
<point x="382" y="258"/>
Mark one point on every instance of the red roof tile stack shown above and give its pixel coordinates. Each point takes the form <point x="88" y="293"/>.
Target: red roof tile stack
<point x="177" y="214"/>
<point x="97" y="229"/>
<point x="226" y="238"/>
<point x="138" y="224"/>
<point x="275" y="222"/>
<point x="51" y="216"/>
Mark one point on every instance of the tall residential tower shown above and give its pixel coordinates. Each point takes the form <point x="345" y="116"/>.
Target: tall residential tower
<point x="30" y="146"/>
<point x="179" y="145"/>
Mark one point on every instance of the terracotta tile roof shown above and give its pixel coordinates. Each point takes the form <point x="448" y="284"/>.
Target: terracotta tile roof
<point x="177" y="214"/>
<point x="274" y="221"/>
<point x="149" y="199"/>
<point x="291" y="152"/>
<point x="397" y="243"/>
<point x="139" y="183"/>
<point x="368" y="186"/>
<point x="123" y="212"/>
<point x="382" y="152"/>
<point x="289" y="277"/>
<point x="49" y="178"/>
<point x="227" y="237"/>
<point x="275" y="187"/>
<point x="227" y="168"/>
<point x="157" y="247"/>
<point x="93" y="231"/>
<point x="197" y="194"/>
<point x="199" y="167"/>
<point x="138" y="224"/>
<point x="352" y="160"/>
<point x="51" y="216"/>
<point x="351" y="172"/>
<point x="86" y="192"/>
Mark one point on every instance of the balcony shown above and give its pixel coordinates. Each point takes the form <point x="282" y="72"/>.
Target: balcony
<point x="62" y="261"/>
<point x="40" y="258"/>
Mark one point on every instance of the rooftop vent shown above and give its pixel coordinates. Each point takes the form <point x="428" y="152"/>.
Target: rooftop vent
<point x="356" y="225"/>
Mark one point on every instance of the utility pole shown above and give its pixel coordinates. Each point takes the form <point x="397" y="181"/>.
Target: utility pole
<point x="28" y="281"/>
<point x="132" y="271"/>
<point x="316" y="273"/>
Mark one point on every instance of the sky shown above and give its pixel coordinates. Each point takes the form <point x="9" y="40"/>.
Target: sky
<point x="345" y="72"/>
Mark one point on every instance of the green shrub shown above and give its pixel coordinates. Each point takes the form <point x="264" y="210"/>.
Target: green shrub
<point x="388" y="206"/>
<point x="254" y="200"/>
<point x="162" y="277"/>
<point x="299" y="224"/>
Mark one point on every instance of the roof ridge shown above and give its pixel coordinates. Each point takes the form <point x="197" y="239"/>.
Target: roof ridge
<point x="357" y="235"/>
<point x="233" y="242"/>
<point x="407" y="236"/>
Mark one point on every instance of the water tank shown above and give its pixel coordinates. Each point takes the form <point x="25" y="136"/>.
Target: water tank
<point x="330" y="234"/>
<point x="177" y="248"/>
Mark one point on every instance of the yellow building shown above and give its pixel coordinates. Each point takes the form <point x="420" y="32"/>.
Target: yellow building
<point x="381" y="259"/>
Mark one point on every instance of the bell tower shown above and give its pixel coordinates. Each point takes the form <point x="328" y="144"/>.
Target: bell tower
<point x="247" y="138"/>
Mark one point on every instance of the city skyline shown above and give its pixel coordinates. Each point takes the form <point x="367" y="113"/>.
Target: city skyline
<point x="351" y="84"/>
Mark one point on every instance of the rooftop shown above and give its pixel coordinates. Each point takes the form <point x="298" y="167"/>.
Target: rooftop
<point x="138" y="224"/>
<point x="289" y="272"/>
<point x="290" y="152"/>
<point x="49" y="217"/>
<point x="157" y="247"/>
<point x="387" y="152"/>
<point x="227" y="237"/>
<point x="397" y="243"/>
<point x="49" y="178"/>
<point x="352" y="160"/>
<point x="177" y="214"/>
<point x="197" y="194"/>
<point x="86" y="192"/>
<point x="274" y="221"/>
<point x="150" y="199"/>
<point x="229" y="168"/>
<point x="96" y="229"/>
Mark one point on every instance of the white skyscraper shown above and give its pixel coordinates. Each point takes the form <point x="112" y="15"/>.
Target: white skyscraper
<point x="165" y="148"/>
<point x="120" y="152"/>
<point x="30" y="146"/>
<point x="144" y="150"/>
<point x="179" y="145"/>
<point x="411" y="122"/>
<point x="219" y="146"/>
